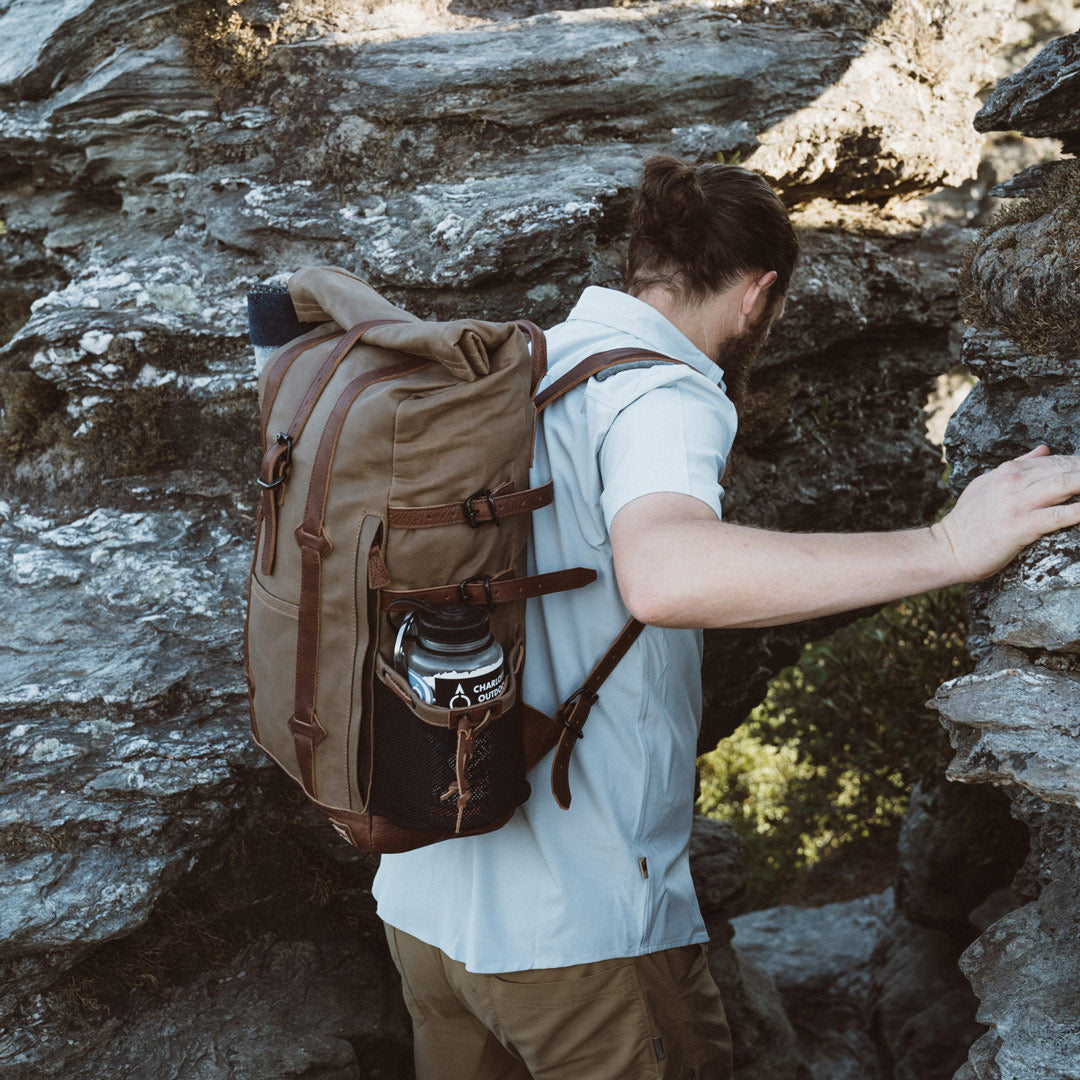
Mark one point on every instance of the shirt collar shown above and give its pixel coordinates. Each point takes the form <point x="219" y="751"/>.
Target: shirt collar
<point x="630" y="316"/>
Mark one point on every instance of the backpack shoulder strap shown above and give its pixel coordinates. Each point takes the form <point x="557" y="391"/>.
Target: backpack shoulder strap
<point x="593" y="365"/>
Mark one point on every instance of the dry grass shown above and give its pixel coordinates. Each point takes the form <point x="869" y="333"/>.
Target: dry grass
<point x="1029" y="326"/>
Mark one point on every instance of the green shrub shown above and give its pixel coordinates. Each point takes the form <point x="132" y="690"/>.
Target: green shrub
<point x="826" y="762"/>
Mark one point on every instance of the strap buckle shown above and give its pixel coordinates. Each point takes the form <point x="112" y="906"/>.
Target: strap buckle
<point x="566" y="709"/>
<point x="463" y="590"/>
<point x="282" y="439"/>
<point x="470" y="512"/>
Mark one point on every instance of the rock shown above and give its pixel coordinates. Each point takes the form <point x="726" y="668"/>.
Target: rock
<point x="1018" y="724"/>
<point x="925" y="1009"/>
<point x="958" y="844"/>
<point x="762" y="1036"/>
<point x="717" y="866"/>
<point x="1030" y="181"/>
<point x="1002" y="419"/>
<point x="991" y="355"/>
<point x="1025" y="970"/>
<point x="1025" y="262"/>
<point x="1012" y="722"/>
<point x="1043" y="98"/>
<point x="121" y="747"/>
<point x="820" y="961"/>
<point x="325" y="1009"/>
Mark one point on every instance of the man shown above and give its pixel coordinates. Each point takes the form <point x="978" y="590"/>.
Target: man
<point x="569" y="944"/>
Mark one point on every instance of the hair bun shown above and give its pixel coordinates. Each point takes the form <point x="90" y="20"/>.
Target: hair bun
<point x="671" y="202"/>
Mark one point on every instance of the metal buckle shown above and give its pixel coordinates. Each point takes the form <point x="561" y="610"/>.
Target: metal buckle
<point x="282" y="439"/>
<point x="463" y="591"/>
<point x="470" y="513"/>
<point x="562" y="715"/>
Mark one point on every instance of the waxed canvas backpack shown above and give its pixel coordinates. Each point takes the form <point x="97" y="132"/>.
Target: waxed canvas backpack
<point x="395" y="474"/>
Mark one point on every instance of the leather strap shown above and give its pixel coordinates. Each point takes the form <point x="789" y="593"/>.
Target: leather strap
<point x="496" y="589"/>
<point x="277" y="373"/>
<point x="504" y="499"/>
<point x="538" y="344"/>
<point x="574" y="711"/>
<point x="315" y="545"/>
<point x="593" y="365"/>
<point x="274" y="469"/>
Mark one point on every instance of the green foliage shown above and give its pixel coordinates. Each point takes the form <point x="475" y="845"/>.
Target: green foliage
<point x="827" y="761"/>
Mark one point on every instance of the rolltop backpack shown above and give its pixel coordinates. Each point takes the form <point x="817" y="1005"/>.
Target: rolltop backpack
<point x="395" y="477"/>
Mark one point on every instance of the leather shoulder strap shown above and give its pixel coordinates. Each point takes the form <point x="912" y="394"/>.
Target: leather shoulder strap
<point x="593" y="365"/>
<point x="538" y="344"/>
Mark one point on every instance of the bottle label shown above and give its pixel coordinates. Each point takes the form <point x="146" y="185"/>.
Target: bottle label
<point x="459" y="689"/>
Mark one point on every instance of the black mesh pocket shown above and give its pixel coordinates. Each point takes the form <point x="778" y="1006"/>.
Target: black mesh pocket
<point x="414" y="766"/>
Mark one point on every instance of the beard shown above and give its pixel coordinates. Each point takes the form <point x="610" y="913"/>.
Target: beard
<point x="737" y="357"/>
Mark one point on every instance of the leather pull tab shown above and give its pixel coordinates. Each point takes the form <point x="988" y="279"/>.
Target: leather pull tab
<point x="378" y="575"/>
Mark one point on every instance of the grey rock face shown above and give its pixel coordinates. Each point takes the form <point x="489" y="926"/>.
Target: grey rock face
<point x="166" y="898"/>
<point x="1042" y="99"/>
<point x="1013" y="721"/>
<point x="958" y="845"/>
<point x="873" y="994"/>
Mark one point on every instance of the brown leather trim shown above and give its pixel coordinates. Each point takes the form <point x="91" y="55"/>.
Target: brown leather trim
<point x="378" y="576"/>
<point x="503" y="590"/>
<point x="507" y="503"/>
<point x="538" y="344"/>
<point x="277" y="373"/>
<point x="314" y="546"/>
<point x="573" y="712"/>
<point x="593" y="365"/>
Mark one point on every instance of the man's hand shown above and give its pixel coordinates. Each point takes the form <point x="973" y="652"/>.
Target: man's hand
<point x="1002" y="511"/>
<point x="676" y="565"/>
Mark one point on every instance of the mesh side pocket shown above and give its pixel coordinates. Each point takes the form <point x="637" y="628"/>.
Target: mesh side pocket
<point x="414" y="765"/>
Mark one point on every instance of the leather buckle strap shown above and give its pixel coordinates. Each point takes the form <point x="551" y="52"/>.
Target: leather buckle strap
<point x="500" y="588"/>
<point x="273" y="472"/>
<point x="478" y="509"/>
<point x="574" y="711"/>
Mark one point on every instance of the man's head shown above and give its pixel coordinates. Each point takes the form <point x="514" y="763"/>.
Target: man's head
<point x="713" y="248"/>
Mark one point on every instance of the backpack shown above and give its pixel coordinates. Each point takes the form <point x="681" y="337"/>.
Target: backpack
<point x="394" y="475"/>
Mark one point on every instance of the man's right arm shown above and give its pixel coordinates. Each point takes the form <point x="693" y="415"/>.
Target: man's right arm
<point x="678" y="566"/>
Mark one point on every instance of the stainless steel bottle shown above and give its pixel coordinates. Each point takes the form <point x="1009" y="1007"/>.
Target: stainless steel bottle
<point x="449" y="656"/>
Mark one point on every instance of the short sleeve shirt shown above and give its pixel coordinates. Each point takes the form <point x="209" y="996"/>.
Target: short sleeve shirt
<point x="610" y="876"/>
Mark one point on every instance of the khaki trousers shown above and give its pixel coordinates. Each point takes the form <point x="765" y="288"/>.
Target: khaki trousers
<point x="653" y="1017"/>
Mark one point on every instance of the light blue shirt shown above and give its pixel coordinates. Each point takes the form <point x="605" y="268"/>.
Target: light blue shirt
<point x="610" y="876"/>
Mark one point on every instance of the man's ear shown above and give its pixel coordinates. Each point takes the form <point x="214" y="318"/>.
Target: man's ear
<point x="756" y="287"/>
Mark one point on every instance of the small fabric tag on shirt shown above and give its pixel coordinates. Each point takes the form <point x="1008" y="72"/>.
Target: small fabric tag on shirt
<point x="643" y="866"/>
<point x="658" y="1046"/>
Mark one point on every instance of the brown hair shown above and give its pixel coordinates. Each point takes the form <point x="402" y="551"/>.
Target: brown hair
<point x="697" y="229"/>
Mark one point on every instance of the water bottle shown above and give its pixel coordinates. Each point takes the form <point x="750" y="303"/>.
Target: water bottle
<point x="449" y="656"/>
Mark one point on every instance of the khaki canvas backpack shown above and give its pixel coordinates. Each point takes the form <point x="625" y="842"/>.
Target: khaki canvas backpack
<point x="395" y="473"/>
